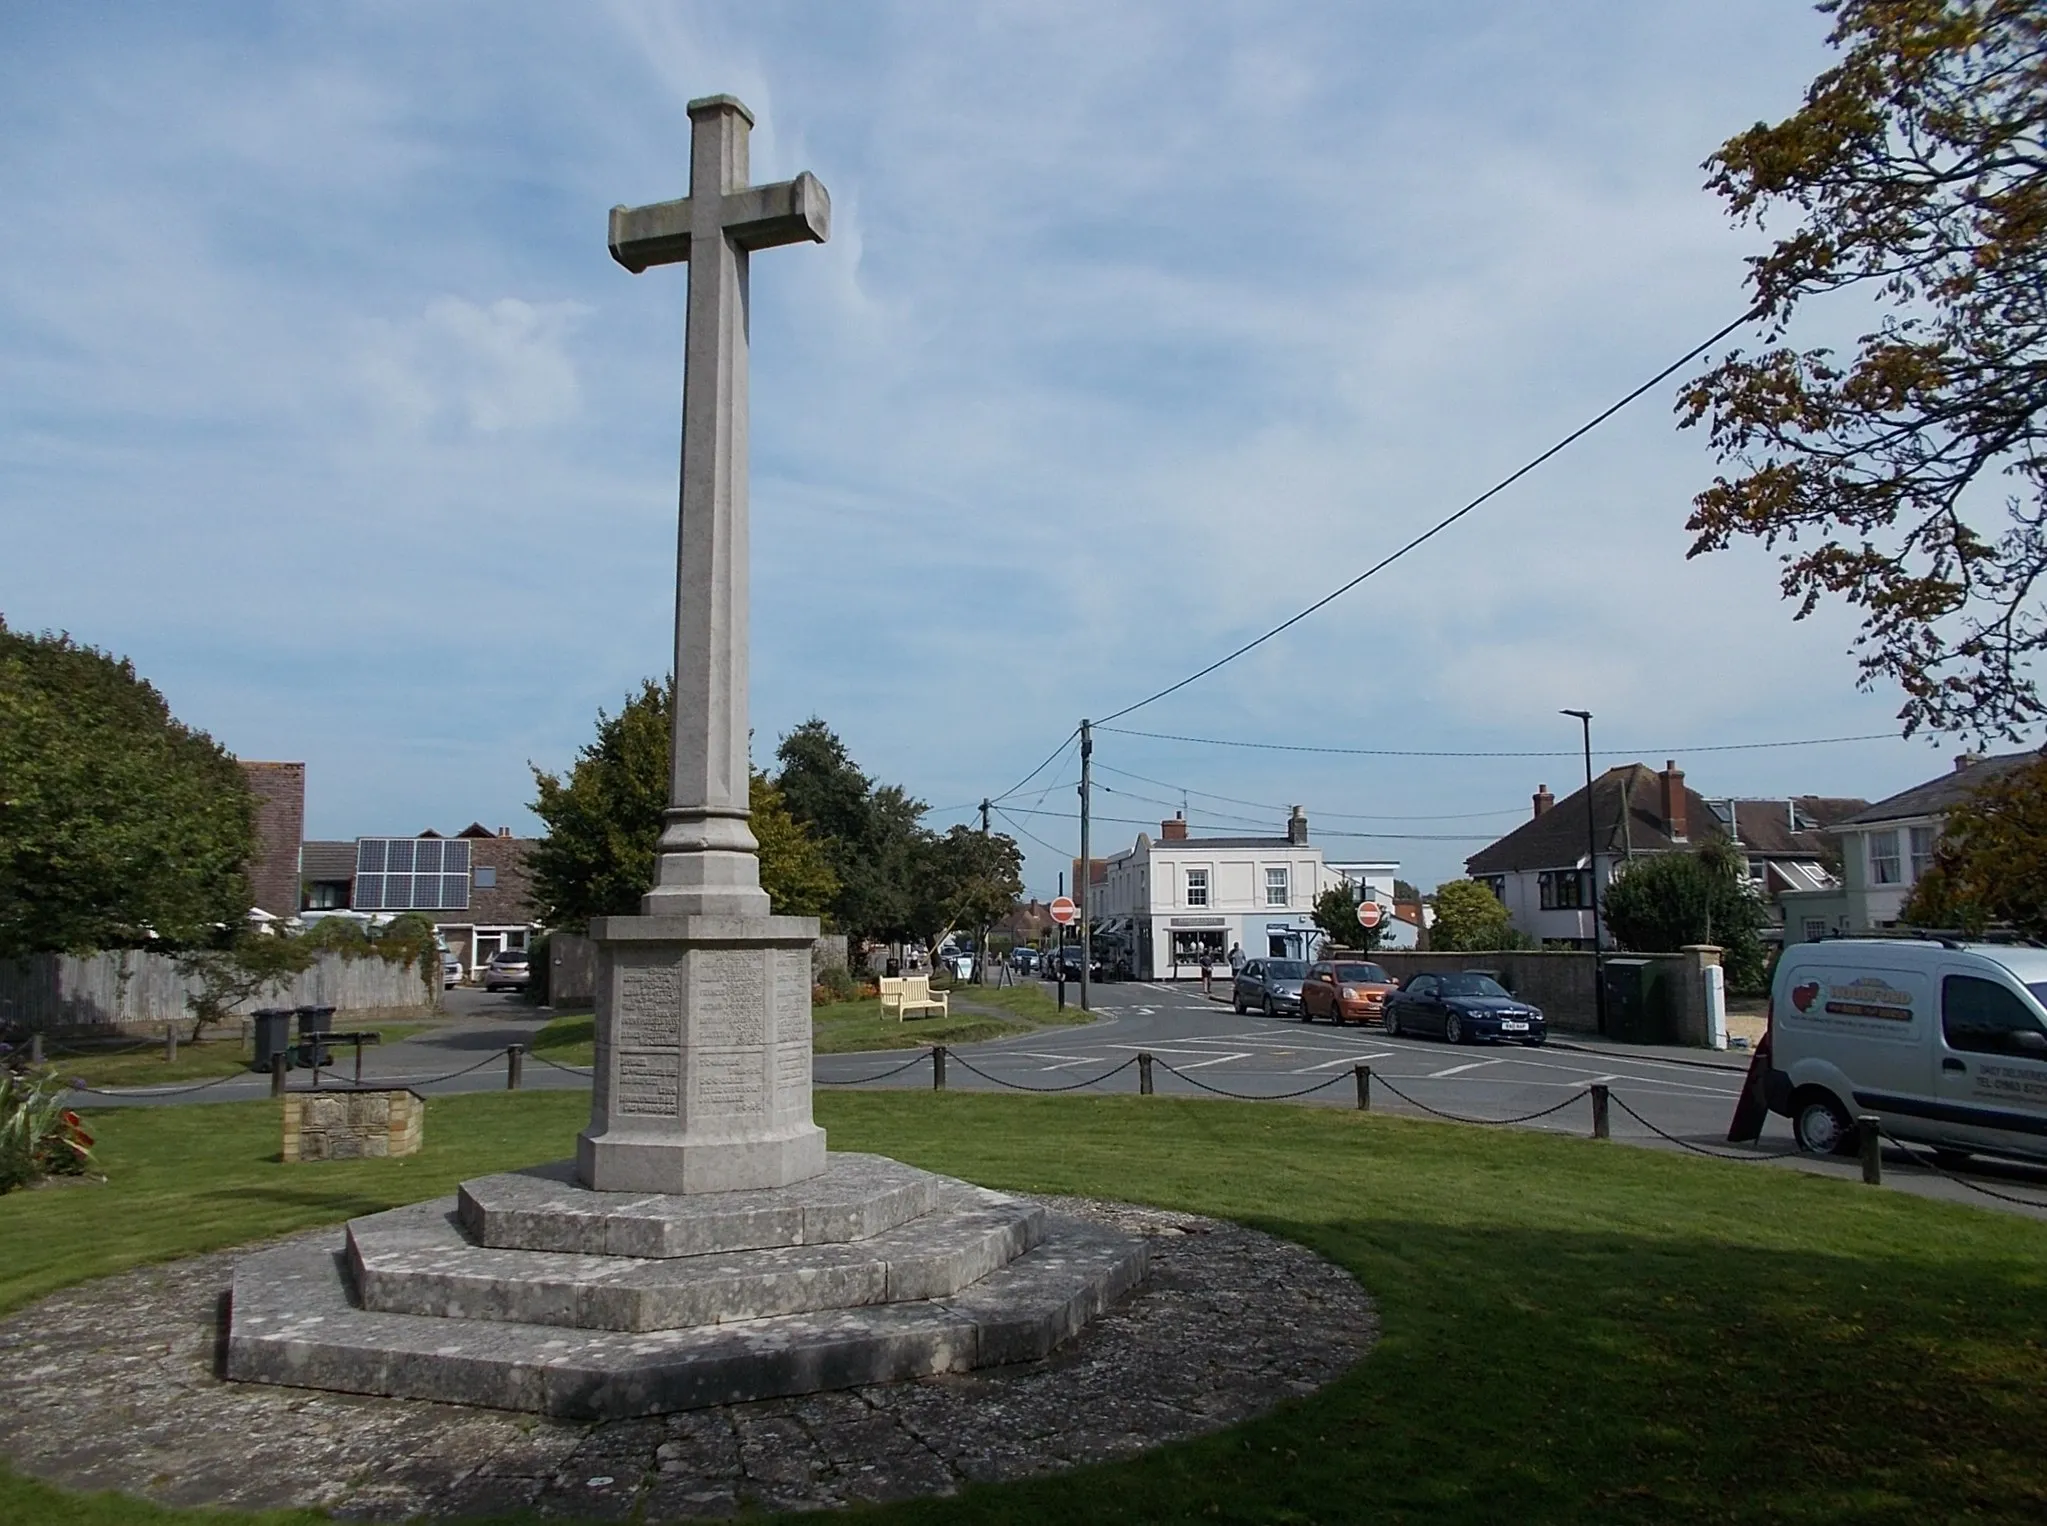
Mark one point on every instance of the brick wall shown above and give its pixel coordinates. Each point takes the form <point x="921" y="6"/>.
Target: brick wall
<point x="509" y="902"/>
<point x="280" y="791"/>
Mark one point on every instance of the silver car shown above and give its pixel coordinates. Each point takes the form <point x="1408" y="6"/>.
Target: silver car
<point x="507" y="971"/>
<point x="1272" y="986"/>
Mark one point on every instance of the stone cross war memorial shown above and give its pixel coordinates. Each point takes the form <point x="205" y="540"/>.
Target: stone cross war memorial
<point x="703" y="1247"/>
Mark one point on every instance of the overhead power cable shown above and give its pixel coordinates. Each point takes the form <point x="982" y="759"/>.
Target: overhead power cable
<point x="1266" y="805"/>
<point x="1143" y="821"/>
<point x="1033" y="836"/>
<point x="1566" y="752"/>
<point x="1444" y="523"/>
<point x="1050" y="759"/>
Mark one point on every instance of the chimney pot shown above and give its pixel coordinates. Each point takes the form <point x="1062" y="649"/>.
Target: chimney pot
<point x="1297" y="828"/>
<point x="1174" y="830"/>
<point x="1675" y="813"/>
<point x="504" y="831"/>
<point x="1965" y="761"/>
<point x="1543" y="799"/>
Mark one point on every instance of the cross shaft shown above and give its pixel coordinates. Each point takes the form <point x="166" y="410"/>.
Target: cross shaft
<point x="706" y="861"/>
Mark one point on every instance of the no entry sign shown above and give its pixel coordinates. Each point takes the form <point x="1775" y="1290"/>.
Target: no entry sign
<point x="1064" y="911"/>
<point x="1369" y="914"/>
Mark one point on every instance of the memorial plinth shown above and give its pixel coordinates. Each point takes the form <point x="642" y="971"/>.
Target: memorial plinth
<point x="703" y="1055"/>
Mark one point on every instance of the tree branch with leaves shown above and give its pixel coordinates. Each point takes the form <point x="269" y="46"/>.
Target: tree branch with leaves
<point x="1909" y="478"/>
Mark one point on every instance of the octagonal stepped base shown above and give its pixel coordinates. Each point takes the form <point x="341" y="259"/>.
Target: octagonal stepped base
<point x="295" y="1321"/>
<point x="417" y="1260"/>
<point x="548" y="1208"/>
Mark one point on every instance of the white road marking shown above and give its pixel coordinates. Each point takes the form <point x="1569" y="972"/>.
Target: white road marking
<point x="1458" y="1070"/>
<point x="1347" y="1059"/>
<point x="1213" y="1058"/>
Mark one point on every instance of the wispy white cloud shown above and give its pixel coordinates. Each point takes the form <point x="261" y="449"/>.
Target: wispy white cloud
<point x="1141" y="325"/>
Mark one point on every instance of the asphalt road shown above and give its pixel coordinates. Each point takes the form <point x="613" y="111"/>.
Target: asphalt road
<point x="1200" y="1047"/>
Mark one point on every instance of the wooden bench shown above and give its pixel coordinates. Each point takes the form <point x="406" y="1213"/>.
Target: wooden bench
<point x="904" y="994"/>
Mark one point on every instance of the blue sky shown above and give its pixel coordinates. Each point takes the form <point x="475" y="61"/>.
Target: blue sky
<point x="1141" y="326"/>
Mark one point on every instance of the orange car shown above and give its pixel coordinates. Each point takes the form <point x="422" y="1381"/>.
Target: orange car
<point x="1344" y="991"/>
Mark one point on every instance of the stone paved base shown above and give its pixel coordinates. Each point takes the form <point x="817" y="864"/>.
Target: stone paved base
<point x="115" y="1385"/>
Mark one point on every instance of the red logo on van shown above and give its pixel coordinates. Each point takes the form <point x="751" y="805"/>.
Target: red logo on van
<point x="1802" y="996"/>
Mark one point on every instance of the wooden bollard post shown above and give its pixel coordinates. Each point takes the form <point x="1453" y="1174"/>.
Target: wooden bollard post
<point x="277" y="1073"/>
<point x="1600" y="1127"/>
<point x="35" y="1049"/>
<point x="515" y="1065"/>
<point x="938" y="1067"/>
<point x="170" y="1043"/>
<point x="1364" y="1080"/>
<point x="1872" y="1142"/>
<point x="1143" y="1074"/>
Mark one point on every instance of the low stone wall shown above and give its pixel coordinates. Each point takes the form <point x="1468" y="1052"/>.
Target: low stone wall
<point x="352" y="1125"/>
<point x="133" y="991"/>
<point x="1563" y="983"/>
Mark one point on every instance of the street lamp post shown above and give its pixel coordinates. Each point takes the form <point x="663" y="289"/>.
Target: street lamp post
<point x="1592" y="876"/>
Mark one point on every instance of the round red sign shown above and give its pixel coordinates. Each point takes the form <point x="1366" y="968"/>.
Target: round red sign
<point x="1369" y="914"/>
<point x="1064" y="911"/>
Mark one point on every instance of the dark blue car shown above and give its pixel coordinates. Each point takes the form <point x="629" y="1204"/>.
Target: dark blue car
<point x="1464" y="1008"/>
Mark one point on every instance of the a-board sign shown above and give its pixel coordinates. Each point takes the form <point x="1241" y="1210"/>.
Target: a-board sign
<point x="1064" y="911"/>
<point x="1369" y="914"/>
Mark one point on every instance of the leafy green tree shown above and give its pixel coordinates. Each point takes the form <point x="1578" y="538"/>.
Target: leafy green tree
<point x="1909" y="479"/>
<point x="1470" y="917"/>
<point x="1405" y="894"/>
<point x="119" y="826"/>
<point x="1336" y="913"/>
<point x="1663" y="901"/>
<point x="970" y="879"/>
<point x="1991" y="863"/>
<point x="244" y="967"/>
<point x="871" y="835"/>
<point x="604" y="820"/>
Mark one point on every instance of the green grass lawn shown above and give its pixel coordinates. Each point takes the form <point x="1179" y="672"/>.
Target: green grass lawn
<point x="1571" y="1331"/>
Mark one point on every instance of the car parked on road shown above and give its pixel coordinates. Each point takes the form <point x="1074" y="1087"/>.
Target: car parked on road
<point x="1273" y="986"/>
<point x="508" y="970"/>
<point x="1466" y="1007"/>
<point x="1024" y="960"/>
<point x="451" y="969"/>
<point x="1066" y="961"/>
<point x="1345" y="991"/>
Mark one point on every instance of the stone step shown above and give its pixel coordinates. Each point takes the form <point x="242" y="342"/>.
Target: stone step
<point x="547" y="1208"/>
<point x="293" y="1321"/>
<point x="417" y="1260"/>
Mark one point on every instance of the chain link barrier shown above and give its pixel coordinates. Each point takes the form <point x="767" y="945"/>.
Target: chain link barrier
<point x="1932" y="1163"/>
<point x="1697" y="1149"/>
<point x="1253" y="1096"/>
<point x="574" y="1070"/>
<point x="74" y="1084"/>
<point x="967" y="1064"/>
<point x="918" y="1059"/>
<point x="1460" y="1118"/>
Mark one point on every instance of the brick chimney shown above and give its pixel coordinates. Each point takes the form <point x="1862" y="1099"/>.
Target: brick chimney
<point x="1174" y="830"/>
<point x="1964" y="761"/>
<point x="1297" y="828"/>
<point x="504" y="831"/>
<point x="1543" y="799"/>
<point x="1675" y="820"/>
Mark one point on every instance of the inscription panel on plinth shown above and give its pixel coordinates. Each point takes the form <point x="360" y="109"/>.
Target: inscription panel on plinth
<point x="646" y="1048"/>
<point x="728" y="1017"/>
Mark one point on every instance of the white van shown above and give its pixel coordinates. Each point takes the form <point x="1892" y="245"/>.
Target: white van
<point x="1945" y="1042"/>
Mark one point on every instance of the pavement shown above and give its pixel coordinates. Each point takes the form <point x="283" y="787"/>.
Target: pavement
<point x="1662" y="1098"/>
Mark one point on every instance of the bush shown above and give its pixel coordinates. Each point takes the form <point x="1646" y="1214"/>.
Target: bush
<point x="837" y="983"/>
<point x="539" y="989"/>
<point x="39" y="1135"/>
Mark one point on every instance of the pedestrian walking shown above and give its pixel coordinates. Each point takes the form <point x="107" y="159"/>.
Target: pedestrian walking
<point x="1236" y="960"/>
<point x="1207" y="975"/>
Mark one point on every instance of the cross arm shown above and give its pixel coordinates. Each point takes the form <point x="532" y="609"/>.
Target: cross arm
<point x="651" y="235"/>
<point x="765" y="216"/>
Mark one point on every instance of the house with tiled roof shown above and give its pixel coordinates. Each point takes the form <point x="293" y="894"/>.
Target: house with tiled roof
<point x="1541" y="873"/>
<point x="1886" y="847"/>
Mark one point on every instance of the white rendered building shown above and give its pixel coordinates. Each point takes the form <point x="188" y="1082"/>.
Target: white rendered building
<point x="1167" y="901"/>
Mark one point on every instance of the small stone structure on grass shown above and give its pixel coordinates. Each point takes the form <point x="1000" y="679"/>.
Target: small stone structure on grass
<point x="351" y="1125"/>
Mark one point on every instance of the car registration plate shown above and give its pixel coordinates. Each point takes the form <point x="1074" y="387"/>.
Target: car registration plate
<point x="1512" y="1025"/>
